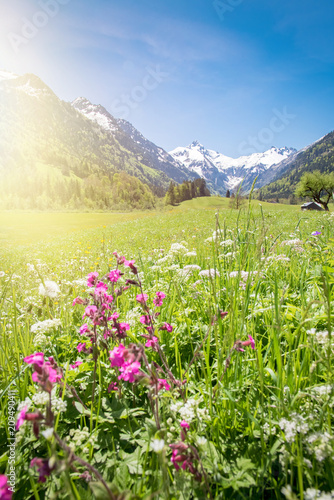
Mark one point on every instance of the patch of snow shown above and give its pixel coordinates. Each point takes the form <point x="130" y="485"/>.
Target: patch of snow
<point x="7" y="75"/>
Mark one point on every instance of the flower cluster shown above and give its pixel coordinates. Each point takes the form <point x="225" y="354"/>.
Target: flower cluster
<point x="46" y="373"/>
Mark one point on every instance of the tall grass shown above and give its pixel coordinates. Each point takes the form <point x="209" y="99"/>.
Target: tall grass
<point x="268" y="424"/>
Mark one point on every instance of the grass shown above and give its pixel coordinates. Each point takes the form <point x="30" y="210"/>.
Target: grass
<point x="259" y="420"/>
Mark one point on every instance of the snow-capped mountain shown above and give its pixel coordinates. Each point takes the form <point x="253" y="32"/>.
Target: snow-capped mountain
<point x="130" y="138"/>
<point x="223" y="172"/>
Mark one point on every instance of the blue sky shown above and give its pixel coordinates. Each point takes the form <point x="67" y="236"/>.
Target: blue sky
<point x="237" y="75"/>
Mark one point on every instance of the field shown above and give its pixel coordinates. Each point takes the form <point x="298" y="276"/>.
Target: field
<point x="204" y="369"/>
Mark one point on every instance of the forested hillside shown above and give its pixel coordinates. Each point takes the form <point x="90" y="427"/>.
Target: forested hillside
<point x="319" y="156"/>
<point x="53" y="157"/>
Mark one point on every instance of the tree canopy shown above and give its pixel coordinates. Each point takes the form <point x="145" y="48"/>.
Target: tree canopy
<point x="317" y="186"/>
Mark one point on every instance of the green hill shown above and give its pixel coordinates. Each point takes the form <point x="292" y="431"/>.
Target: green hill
<point x="319" y="156"/>
<point x="53" y="157"/>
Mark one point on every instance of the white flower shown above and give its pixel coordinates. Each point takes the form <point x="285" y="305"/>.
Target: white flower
<point x="49" y="289"/>
<point x="190" y="254"/>
<point x="40" y="339"/>
<point x="157" y="445"/>
<point x="227" y="243"/>
<point x="209" y="273"/>
<point x="2" y="274"/>
<point x="178" y="249"/>
<point x="291" y="427"/>
<point x="201" y="441"/>
<point x="27" y="402"/>
<point x="45" y="326"/>
<point x="48" y="433"/>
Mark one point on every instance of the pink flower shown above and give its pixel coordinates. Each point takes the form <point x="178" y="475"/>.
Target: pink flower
<point x="129" y="263"/>
<point x="77" y="300"/>
<point x="151" y="342"/>
<point x="166" y="326"/>
<point x="90" y="311"/>
<point x="142" y="298"/>
<point x="101" y="288"/>
<point x="42" y="467"/>
<point x="114" y="275"/>
<point x="250" y="342"/>
<point x="52" y="374"/>
<point x="184" y="425"/>
<point x="92" y="278"/>
<point x="159" y="300"/>
<point x="83" y="329"/>
<point x="81" y="346"/>
<point x="176" y="459"/>
<point x="5" y="493"/>
<point x="145" y="320"/>
<point x="117" y="356"/>
<point x="124" y="327"/>
<point x="114" y="316"/>
<point x="129" y="370"/>
<point x="76" y="364"/>
<point x="113" y="387"/>
<point x="163" y="384"/>
<point x="21" y="418"/>
<point x="35" y="359"/>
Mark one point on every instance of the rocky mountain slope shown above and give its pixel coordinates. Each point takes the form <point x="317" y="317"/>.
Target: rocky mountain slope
<point x="223" y="173"/>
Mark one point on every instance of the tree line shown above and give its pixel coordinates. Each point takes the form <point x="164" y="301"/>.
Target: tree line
<point x="186" y="191"/>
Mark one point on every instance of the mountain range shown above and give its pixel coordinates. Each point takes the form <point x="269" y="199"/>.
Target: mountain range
<point x="224" y="173"/>
<point x="58" y="154"/>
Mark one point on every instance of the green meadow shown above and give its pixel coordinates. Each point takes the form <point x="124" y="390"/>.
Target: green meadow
<point x="219" y="387"/>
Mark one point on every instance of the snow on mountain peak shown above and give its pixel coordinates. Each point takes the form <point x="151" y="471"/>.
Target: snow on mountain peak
<point x="229" y="172"/>
<point x="7" y="75"/>
<point x="95" y="113"/>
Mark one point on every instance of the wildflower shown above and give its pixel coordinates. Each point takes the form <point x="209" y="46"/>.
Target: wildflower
<point x="90" y="312"/>
<point x="184" y="425"/>
<point x="157" y="445"/>
<point x="21" y="418"/>
<point x="178" y="249"/>
<point x="250" y="342"/>
<point x="209" y="273"/>
<point x="142" y="298"/>
<point x="100" y="289"/>
<point x="117" y="356"/>
<point x="113" y="387"/>
<point x="159" y="300"/>
<point x="166" y="326"/>
<point x="145" y="320"/>
<point x="91" y="279"/>
<point x="201" y="441"/>
<point x="81" y="346"/>
<point x="43" y="468"/>
<point x="316" y="233"/>
<point x="83" y="329"/>
<point x="114" y="275"/>
<point x="163" y="384"/>
<point x="151" y="342"/>
<point x="76" y="364"/>
<point x="114" y="316"/>
<point x="49" y="289"/>
<point x="5" y="492"/>
<point x="45" y="326"/>
<point x="37" y="359"/>
<point x="46" y="372"/>
<point x="77" y="300"/>
<point x="129" y="370"/>
<point x="48" y="433"/>
<point x="122" y="328"/>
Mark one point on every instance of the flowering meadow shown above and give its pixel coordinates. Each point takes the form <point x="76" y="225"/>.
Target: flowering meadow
<point x="187" y="355"/>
